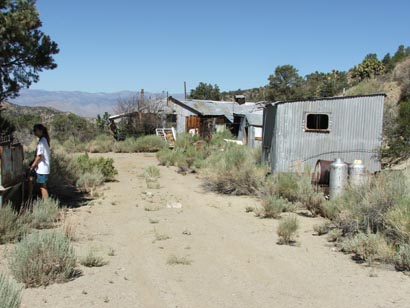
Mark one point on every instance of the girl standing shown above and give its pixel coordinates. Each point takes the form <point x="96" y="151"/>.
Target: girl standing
<point x="40" y="167"/>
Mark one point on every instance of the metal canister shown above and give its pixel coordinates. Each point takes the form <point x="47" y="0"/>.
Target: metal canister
<point x="357" y="174"/>
<point x="337" y="178"/>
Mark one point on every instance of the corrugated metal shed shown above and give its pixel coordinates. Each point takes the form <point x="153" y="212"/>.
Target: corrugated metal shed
<point x="353" y="131"/>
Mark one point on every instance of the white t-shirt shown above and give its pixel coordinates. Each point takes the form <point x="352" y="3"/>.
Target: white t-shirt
<point x="43" y="150"/>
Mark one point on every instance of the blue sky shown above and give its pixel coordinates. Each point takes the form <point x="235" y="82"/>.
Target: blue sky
<point x="108" y="46"/>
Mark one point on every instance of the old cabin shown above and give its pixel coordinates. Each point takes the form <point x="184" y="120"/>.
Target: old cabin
<point x="299" y="133"/>
<point x="205" y="117"/>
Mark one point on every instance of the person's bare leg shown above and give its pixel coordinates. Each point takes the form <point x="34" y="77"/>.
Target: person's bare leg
<point x="44" y="191"/>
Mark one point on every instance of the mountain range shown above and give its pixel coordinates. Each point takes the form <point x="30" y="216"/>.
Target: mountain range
<point x="81" y="103"/>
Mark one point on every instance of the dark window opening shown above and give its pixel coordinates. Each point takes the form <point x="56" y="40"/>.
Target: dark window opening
<point x="317" y="122"/>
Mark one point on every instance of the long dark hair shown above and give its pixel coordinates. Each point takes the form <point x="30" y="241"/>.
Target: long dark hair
<point x="44" y="132"/>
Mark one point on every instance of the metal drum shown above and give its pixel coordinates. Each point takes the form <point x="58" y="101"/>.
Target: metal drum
<point x="337" y="178"/>
<point x="357" y="174"/>
<point x="321" y="173"/>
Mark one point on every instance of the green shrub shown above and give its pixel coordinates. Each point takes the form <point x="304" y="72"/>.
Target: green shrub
<point x="88" y="181"/>
<point x="398" y="221"/>
<point x="402" y="260"/>
<point x="85" y="164"/>
<point x="218" y="142"/>
<point x="73" y="145"/>
<point x="11" y="226"/>
<point x="233" y="171"/>
<point x="369" y="247"/>
<point x="310" y="199"/>
<point x="296" y="188"/>
<point x="272" y="207"/>
<point x="45" y="213"/>
<point x="334" y="235"/>
<point x="101" y="144"/>
<point x="368" y="207"/>
<point x="43" y="258"/>
<point x="287" y="186"/>
<point x="287" y="229"/>
<point x="184" y="140"/>
<point x="149" y="143"/>
<point x="128" y="145"/>
<point x="10" y="293"/>
<point x="167" y="157"/>
<point x="322" y="228"/>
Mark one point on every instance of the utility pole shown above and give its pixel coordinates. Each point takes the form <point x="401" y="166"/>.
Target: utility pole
<point x="185" y="89"/>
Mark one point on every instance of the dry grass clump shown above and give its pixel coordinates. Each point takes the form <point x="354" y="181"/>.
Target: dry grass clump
<point x="322" y="228"/>
<point x="334" y="235"/>
<point x="12" y="227"/>
<point x="45" y="213"/>
<point x="272" y="207"/>
<point x="381" y="206"/>
<point x="249" y="209"/>
<point x="287" y="229"/>
<point x="101" y="144"/>
<point x="10" y="293"/>
<point x="369" y="86"/>
<point x="89" y="181"/>
<point x="160" y="236"/>
<point x="174" y="260"/>
<point x="92" y="259"/>
<point x="149" y="143"/>
<point x="297" y="189"/>
<point x="369" y="247"/>
<point x="43" y="258"/>
<point x="126" y="146"/>
<point x="233" y="171"/>
<point x="69" y="229"/>
<point x="152" y="174"/>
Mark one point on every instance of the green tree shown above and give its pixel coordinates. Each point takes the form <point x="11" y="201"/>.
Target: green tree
<point x="401" y="54"/>
<point x="206" y="91"/>
<point x="369" y="68"/>
<point x="285" y="84"/>
<point x="103" y="122"/>
<point x="25" y="50"/>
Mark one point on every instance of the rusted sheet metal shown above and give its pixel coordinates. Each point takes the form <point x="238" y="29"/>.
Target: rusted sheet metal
<point x="11" y="164"/>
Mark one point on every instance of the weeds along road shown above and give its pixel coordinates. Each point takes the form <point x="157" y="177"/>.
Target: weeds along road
<point x="209" y="253"/>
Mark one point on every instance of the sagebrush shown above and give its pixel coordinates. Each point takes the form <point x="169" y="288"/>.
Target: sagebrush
<point x="42" y="258"/>
<point x="10" y="293"/>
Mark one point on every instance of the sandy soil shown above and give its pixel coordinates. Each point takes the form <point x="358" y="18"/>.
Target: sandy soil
<point x="235" y="259"/>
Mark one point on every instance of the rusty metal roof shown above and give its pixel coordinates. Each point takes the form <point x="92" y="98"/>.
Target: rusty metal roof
<point x="209" y="108"/>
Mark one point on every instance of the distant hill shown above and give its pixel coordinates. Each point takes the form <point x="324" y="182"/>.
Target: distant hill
<point x="81" y="103"/>
<point x="61" y="124"/>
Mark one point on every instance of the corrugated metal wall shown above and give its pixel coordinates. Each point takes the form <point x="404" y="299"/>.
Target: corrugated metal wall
<point x="355" y="132"/>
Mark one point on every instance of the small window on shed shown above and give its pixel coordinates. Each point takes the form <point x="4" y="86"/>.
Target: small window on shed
<point x="317" y="122"/>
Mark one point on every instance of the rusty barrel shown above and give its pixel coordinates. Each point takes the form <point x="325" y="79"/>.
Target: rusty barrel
<point x="321" y="173"/>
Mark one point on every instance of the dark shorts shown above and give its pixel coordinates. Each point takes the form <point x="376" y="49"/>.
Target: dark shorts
<point x="40" y="178"/>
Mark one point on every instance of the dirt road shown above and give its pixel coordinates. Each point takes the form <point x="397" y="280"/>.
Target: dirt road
<point x="235" y="261"/>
